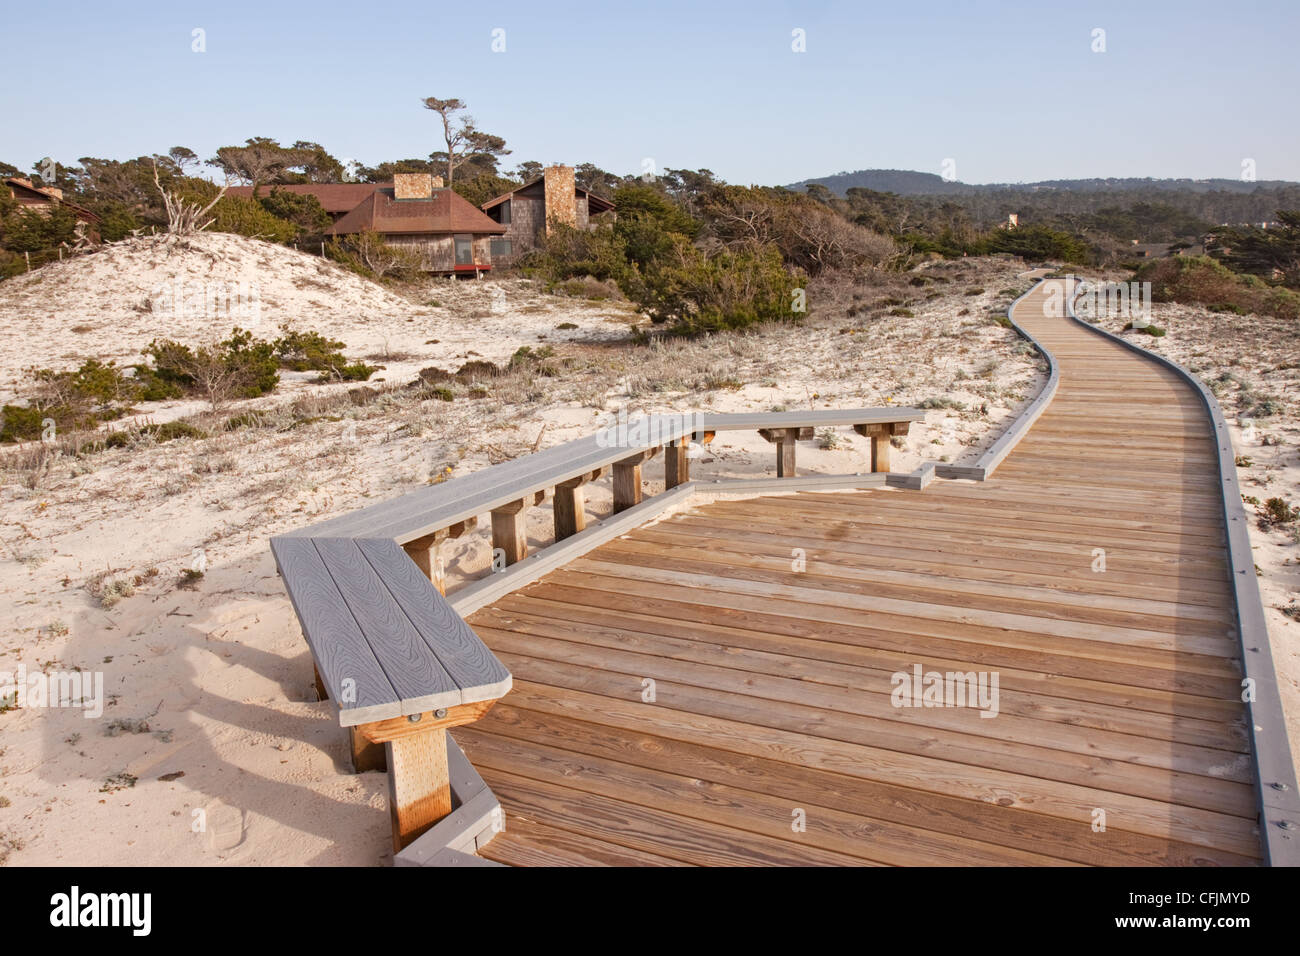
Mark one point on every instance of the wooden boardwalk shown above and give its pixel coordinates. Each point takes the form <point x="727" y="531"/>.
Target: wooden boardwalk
<point x="1118" y="689"/>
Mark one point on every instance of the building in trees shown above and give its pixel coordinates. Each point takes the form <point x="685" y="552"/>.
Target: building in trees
<point x="45" y="199"/>
<point x="414" y="211"/>
<point x="526" y="212"/>
<point x="418" y="213"/>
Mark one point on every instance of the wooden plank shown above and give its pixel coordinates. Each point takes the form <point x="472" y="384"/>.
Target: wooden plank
<point x="344" y="658"/>
<point x="414" y="671"/>
<point x="1127" y="763"/>
<point x="530" y="843"/>
<point x="475" y="672"/>
<point x="740" y="809"/>
<point x="1067" y="801"/>
<point x="1163" y="668"/>
<point x="789" y="779"/>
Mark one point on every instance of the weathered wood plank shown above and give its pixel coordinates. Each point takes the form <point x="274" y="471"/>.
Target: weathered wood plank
<point x="476" y="673"/>
<point x="412" y="668"/>
<point x="347" y="664"/>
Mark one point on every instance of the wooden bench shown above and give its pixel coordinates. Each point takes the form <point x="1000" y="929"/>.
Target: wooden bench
<point x="398" y="662"/>
<point x="783" y="429"/>
<point x="390" y="651"/>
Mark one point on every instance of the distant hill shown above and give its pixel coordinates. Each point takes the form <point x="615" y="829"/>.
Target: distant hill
<point x="907" y="182"/>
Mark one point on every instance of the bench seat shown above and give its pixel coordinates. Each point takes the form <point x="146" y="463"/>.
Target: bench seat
<point x="385" y="642"/>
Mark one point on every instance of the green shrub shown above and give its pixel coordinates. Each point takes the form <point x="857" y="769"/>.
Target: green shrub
<point x="311" y="351"/>
<point x="238" y="367"/>
<point x="304" y="211"/>
<point x="244" y="420"/>
<point x="697" y="292"/>
<point x="24" y="423"/>
<point x="167" y="431"/>
<point x="246" y="216"/>
<point x="476" y="369"/>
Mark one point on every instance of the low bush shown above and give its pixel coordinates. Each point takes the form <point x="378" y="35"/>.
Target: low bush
<point x="1200" y="280"/>
<point x="311" y="351"/>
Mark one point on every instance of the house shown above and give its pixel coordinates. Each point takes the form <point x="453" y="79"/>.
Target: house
<point x="420" y="214"/>
<point x="41" y="199"/>
<point x="526" y="212"/>
<point x="451" y="235"/>
<point x="338" y="199"/>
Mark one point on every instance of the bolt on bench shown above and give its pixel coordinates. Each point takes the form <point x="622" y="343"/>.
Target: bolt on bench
<point x="399" y="661"/>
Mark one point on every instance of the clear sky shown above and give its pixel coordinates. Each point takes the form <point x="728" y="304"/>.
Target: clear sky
<point x="1008" y="91"/>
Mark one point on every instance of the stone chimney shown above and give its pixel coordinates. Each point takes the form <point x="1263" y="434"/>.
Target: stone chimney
<point x="54" y="192"/>
<point x="561" y="200"/>
<point x="436" y="181"/>
<point x="413" y="186"/>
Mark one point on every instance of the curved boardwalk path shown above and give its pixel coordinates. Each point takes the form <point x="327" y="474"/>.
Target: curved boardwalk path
<point x="1118" y="689"/>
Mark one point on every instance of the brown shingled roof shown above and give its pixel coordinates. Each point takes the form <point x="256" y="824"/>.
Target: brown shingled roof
<point x="23" y="184"/>
<point x="335" y="197"/>
<point x="445" y="212"/>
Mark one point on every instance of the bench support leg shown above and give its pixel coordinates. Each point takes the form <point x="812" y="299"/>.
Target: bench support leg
<point x="627" y="479"/>
<point x="880" y="453"/>
<point x="322" y="693"/>
<point x="419" y="791"/>
<point x="424" y="551"/>
<point x="508" y="531"/>
<point x="365" y="755"/>
<point x="627" y="486"/>
<point x="677" y="467"/>
<point x="570" y="509"/>
<point x="881" y="437"/>
<point x="784" y="439"/>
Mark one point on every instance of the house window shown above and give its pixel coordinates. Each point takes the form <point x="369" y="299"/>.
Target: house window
<point x="464" y="251"/>
<point x="505" y="213"/>
<point x="501" y="248"/>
